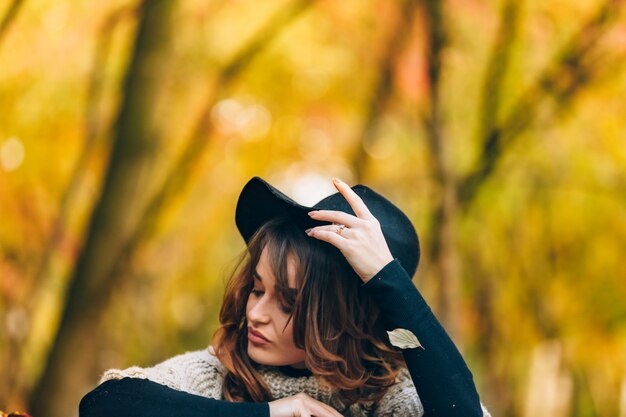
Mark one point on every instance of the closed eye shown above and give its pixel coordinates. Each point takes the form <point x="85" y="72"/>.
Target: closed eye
<point x="257" y="293"/>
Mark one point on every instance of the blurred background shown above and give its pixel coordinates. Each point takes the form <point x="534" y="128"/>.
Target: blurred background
<point x="128" y="128"/>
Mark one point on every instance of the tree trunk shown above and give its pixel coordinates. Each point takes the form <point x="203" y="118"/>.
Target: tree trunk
<point x="443" y="251"/>
<point x="190" y="158"/>
<point x="127" y="188"/>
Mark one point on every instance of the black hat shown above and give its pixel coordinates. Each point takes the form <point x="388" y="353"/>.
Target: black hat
<point x="259" y="202"/>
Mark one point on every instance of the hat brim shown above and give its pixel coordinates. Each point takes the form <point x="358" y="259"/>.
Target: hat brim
<point x="259" y="202"/>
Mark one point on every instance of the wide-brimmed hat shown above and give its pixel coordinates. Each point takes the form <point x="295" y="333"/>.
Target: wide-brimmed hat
<point x="259" y="202"/>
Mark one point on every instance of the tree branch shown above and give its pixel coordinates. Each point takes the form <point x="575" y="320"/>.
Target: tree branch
<point x="383" y="89"/>
<point x="571" y="70"/>
<point x="93" y="130"/>
<point x="497" y="66"/>
<point x="176" y="180"/>
<point x="9" y="17"/>
<point x="190" y="157"/>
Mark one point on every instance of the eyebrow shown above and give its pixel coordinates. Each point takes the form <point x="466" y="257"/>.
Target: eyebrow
<point x="259" y="278"/>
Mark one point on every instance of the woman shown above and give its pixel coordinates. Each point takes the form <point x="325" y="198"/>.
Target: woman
<point x="322" y="320"/>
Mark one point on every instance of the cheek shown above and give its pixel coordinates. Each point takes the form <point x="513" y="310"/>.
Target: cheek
<point x="287" y="335"/>
<point x="294" y="353"/>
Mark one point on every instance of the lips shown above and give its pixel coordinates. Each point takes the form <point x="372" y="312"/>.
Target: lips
<point x="256" y="335"/>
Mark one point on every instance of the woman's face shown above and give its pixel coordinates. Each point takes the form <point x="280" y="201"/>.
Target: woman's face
<point x="266" y="316"/>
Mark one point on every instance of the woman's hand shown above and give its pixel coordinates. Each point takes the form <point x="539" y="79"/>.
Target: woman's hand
<point x="361" y="241"/>
<point x="301" y="405"/>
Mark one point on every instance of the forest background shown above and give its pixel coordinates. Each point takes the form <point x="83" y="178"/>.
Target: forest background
<point x="127" y="130"/>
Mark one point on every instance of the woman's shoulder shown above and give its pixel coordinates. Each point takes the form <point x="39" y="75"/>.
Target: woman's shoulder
<point x="198" y="372"/>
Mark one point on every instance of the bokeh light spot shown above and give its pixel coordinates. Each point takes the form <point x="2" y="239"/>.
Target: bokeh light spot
<point x="11" y="154"/>
<point x="249" y="119"/>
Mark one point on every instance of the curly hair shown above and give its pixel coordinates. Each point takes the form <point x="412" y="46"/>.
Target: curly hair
<point x="335" y="322"/>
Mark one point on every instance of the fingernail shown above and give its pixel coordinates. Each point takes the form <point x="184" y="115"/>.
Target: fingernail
<point x="311" y="213"/>
<point x="307" y="231"/>
<point x="336" y="180"/>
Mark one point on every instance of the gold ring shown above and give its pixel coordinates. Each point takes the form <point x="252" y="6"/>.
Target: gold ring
<point x="340" y="229"/>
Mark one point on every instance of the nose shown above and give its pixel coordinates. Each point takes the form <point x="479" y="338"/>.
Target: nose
<point x="259" y="312"/>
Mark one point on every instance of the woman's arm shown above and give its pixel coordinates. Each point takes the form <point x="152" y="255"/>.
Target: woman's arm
<point x="439" y="373"/>
<point x="442" y="379"/>
<point x="138" y="397"/>
<point x="135" y="397"/>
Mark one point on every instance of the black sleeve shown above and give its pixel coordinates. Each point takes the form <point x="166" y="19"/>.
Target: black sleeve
<point x="442" y="379"/>
<point x="135" y="397"/>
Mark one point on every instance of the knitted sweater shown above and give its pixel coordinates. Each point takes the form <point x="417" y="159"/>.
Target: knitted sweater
<point x="443" y="383"/>
<point x="201" y="373"/>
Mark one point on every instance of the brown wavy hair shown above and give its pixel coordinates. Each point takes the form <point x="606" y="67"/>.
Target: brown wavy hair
<point x="336" y="323"/>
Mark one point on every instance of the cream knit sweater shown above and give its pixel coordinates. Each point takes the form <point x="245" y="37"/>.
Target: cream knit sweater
<point x="201" y="373"/>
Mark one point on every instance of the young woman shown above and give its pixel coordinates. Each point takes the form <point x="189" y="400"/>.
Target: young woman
<point x="320" y="319"/>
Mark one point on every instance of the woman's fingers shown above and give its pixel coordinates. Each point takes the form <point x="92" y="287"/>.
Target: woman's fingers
<point x="318" y="408"/>
<point x="335" y="217"/>
<point x="339" y="229"/>
<point x="361" y="242"/>
<point x="331" y="237"/>
<point x="357" y="204"/>
<point x="323" y="410"/>
<point x="301" y="405"/>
